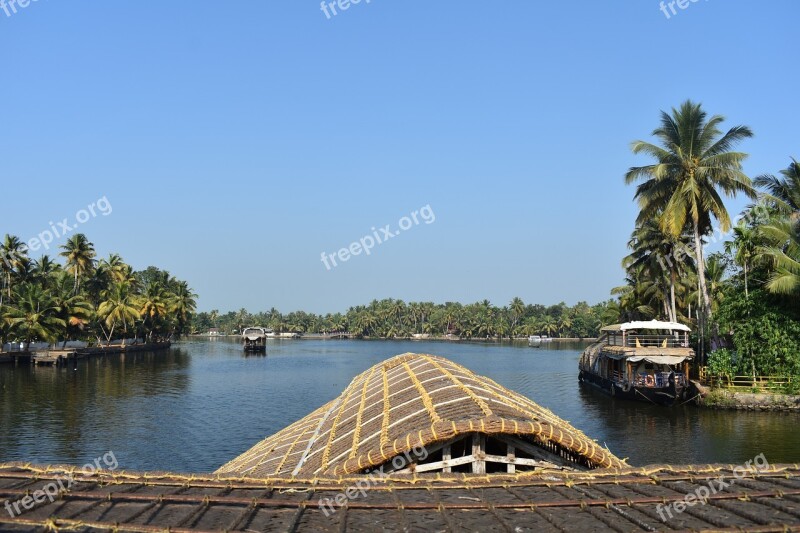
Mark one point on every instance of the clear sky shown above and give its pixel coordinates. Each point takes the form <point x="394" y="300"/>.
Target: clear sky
<point x="237" y="141"/>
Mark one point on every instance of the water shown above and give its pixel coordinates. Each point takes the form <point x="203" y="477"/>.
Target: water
<point x="194" y="407"/>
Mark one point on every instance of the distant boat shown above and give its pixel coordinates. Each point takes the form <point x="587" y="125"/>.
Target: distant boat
<point x="646" y="361"/>
<point x="254" y="339"/>
<point x="537" y="340"/>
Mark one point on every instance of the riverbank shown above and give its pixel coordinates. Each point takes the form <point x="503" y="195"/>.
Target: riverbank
<point x="60" y="355"/>
<point x="452" y="338"/>
<point x="748" y="401"/>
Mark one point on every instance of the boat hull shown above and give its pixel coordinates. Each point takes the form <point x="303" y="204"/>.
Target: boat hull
<point x="668" y="396"/>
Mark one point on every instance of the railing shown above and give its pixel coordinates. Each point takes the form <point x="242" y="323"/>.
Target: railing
<point x="648" y="341"/>
<point x="658" y="380"/>
<point x="745" y="383"/>
<point x="654" y="341"/>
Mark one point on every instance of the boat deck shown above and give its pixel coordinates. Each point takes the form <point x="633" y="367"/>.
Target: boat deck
<point x="608" y="499"/>
<point x="647" y="350"/>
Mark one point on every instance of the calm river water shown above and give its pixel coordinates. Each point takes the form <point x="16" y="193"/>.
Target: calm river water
<point x="194" y="407"/>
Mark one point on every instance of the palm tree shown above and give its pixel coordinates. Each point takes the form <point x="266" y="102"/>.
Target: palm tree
<point x="34" y="315"/>
<point x="73" y="309"/>
<point x="743" y="248"/>
<point x="784" y="252"/>
<point x="43" y="269"/>
<point x="12" y="253"/>
<point x="658" y="253"/>
<point x="118" y="307"/>
<point x="152" y="305"/>
<point x="682" y="187"/>
<point x="783" y="194"/>
<point x="517" y="308"/>
<point x="182" y="304"/>
<point x="79" y="255"/>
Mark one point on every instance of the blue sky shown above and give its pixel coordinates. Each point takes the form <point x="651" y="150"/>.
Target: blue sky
<point x="237" y="141"/>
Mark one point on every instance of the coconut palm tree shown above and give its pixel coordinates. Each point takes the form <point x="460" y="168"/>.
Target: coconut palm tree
<point x="34" y="315"/>
<point x="743" y="248"/>
<point x="119" y="307"/>
<point x="74" y="309"/>
<point x="43" y="270"/>
<point x="784" y="253"/>
<point x="182" y="304"/>
<point x="79" y="255"/>
<point x="12" y="253"/>
<point x="660" y="255"/>
<point x="783" y="194"/>
<point x="517" y="307"/>
<point x="692" y="166"/>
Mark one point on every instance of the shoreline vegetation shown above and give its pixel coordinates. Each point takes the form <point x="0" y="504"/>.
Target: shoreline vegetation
<point x="742" y="302"/>
<point x="390" y="319"/>
<point x="84" y="299"/>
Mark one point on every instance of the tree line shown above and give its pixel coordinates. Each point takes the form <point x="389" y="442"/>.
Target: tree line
<point x="391" y="318"/>
<point x="742" y="300"/>
<point x="87" y="299"/>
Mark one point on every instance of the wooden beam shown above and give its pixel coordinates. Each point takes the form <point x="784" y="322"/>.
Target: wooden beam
<point x="510" y="455"/>
<point x="478" y="452"/>
<point x="446" y="456"/>
<point x="519" y="461"/>
<point x="439" y="465"/>
<point x="540" y="453"/>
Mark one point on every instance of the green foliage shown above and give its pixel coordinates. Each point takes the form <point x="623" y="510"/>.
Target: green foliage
<point x="395" y="318"/>
<point x="765" y="332"/>
<point x="86" y="299"/>
<point x="721" y="362"/>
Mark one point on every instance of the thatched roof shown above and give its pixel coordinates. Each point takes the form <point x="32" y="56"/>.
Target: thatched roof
<point x="601" y="500"/>
<point x="410" y="402"/>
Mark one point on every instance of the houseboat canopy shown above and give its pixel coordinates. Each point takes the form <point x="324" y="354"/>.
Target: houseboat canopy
<point x="652" y="324"/>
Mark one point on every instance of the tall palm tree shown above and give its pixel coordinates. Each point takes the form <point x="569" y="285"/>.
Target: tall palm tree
<point x="517" y="307"/>
<point x="658" y="252"/>
<point x="74" y="309"/>
<point x="118" y="308"/>
<point x="693" y="165"/>
<point x="182" y="304"/>
<point x="12" y="253"/>
<point x="783" y="194"/>
<point x="743" y="248"/>
<point x="784" y="252"/>
<point x="153" y="306"/>
<point x="79" y="255"/>
<point x="34" y="315"/>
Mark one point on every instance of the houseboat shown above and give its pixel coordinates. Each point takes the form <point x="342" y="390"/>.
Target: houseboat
<point x="646" y="361"/>
<point x="254" y="339"/>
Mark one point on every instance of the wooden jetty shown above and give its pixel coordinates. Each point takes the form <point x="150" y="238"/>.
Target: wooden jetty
<point x="356" y="464"/>
<point x="53" y="357"/>
<point x="57" y="357"/>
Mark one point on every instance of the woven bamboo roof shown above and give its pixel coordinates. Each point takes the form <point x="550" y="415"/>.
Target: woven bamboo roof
<point x="409" y="402"/>
<point x="630" y="499"/>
